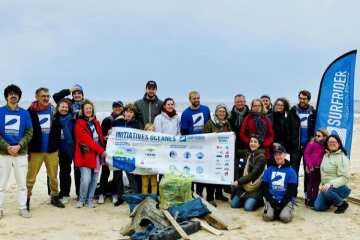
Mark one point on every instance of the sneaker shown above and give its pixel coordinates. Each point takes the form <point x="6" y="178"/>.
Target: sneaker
<point x="24" y="213"/>
<point x="213" y="203"/>
<point x="1" y="214"/>
<point x="48" y="201"/>
<point x="119" y="202"/>
<point x="114" y="198"/>
<point x="222" y="198"/>
<point x="79" y="204"/>
<point x="89" y="204"/>
<point x="65" y="200"/>
<point x="101" y="199"/>
<point x="342" y="207"/>
<point x="55" y="202"/>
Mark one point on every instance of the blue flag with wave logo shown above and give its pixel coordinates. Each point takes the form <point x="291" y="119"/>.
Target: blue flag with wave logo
<point x="335" y="105"/>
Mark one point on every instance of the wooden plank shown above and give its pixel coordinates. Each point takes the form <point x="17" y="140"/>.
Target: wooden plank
<point x="207" y="227"/>
<point x="176" y="225"/>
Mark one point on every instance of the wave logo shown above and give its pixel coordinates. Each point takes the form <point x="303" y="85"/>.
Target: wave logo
<point x="341" y="132"/>
<point x="12" y="122"/>
<point x="182" y="138"/>
<point x="198" y="120"/>
<point x="44" y="120"/>
<point x="123" y="161"/>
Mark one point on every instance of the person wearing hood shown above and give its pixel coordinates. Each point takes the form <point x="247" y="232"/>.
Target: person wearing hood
<point x="218" y="123"/>
<point x="313" y="156"/>
<point x="127" y="119"/>
<point x="257" y="123"/>
<point x="248" y="194"/>
<point x="89" y="152"/>
<point x="278" y="186"/>
<point x="117" y="108"/>
<point x="44" y="144"/>
<point x="299" y="129"/>
<point x="239" y="111"/>
<point x="335" y="176"/>
<point x="168" y="121"/>
<point x="150" y="105"/>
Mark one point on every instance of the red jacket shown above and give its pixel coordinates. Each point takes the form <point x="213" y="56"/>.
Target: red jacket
<point x="268" y="136"/>
<point x="83" y="135"/>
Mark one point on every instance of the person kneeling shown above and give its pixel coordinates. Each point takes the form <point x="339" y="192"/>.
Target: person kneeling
<point x="279" y="186"/>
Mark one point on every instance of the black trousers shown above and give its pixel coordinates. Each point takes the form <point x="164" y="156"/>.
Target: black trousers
<point x="210" y="191"/>
<point x="104" y="181"/>
<point x="65" y="162"/>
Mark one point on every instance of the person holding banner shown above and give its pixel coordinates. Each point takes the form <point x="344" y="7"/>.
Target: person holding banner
<point x="257" y="123"/>
<point x="335" y="175"/>
<point x="249" y="193"/>
<point x="89" y="152"/>
<point x="127" y="119"/>
<point x="219" y="123"/>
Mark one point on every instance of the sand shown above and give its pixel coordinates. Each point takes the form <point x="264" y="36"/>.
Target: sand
<point x="104" y="221"/>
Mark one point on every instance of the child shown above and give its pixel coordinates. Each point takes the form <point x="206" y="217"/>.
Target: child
<point x="313" y="156"/>
<point x="145" y="178"/>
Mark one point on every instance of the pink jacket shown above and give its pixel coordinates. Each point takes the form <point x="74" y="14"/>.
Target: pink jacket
<point x="313" y="154"/>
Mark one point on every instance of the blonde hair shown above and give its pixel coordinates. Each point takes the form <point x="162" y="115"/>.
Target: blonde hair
<point x="130" y="107"/>
<point x="324" y="132"/>
<point x="87" y="101"/>
<point x="149" y="125"/>
<point x="263" y="108"/>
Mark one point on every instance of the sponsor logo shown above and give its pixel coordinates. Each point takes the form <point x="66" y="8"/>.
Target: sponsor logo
<point x="172" y="167"/>
<point x="226" y="156"/>
<point x="187" y="155"/>
<point x="151" y="150"/>
<point x="226" y="173"/>
<point x="200" y="155"/>
<point x="198" y="121"/>
<point x="12" y="122"/>
<point x="226" y="164"/>
<point x="186" y="169"/>
<point x="227" y="147"/>
<point x="219" y="168"/>
<point x="173" y="154"/>
<point x="227" y="152"/>
<point x="195" y="138"/>
<point x="218" y="173"/>
<point x="182" y="139"/>
<point x="219" y="156"/>
<point x="218" y="147"/>
<point x="199" y="170"/>
<point x="218" y="164"/>
<point x="222" y="178"/>
<point x="219" y="152"/>
<point x="226" y="168"/>
<point x="44" y="120"/>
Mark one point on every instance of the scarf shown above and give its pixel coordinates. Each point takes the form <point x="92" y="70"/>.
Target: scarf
<point x="35" y="107"/>
<point x="217" y="122"/>
<point x="259" y="124"/>
<point x="278" y="126"/>
<point x="76" y="107"/>
<point x="240" y="116"/>
<point x="113" y="116"/>
<point x="170" y="114"/>
<point x="69" y="143"/>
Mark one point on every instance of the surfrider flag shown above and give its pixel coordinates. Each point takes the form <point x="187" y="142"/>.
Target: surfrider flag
<point x="335" y="105"/>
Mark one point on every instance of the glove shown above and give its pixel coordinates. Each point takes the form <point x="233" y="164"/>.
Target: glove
<point x="273" y="203"/>
<point x="277" y="211"/>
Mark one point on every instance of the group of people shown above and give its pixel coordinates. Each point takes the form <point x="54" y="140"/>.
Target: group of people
<point x="264" y="135"/>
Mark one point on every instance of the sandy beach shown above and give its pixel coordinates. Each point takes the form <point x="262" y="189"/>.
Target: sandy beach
<point x="104" y="221"/>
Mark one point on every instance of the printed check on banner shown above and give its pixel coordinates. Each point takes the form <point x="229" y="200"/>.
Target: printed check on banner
<point x="209" y="157"/>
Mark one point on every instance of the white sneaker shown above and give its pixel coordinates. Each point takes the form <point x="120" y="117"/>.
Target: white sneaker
<point x="24" y="213"/>
<point x="65" y="200"/>
<point x="79" y="204"/>
<point x="101" y="199"/>
<point x="114" y="198"/>
<point x="48" y="201"/>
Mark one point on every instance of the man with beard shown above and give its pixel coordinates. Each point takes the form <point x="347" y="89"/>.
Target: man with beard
<point x="265" y="98"/>
<point x="15" y="134"/>
<point x="299" y="129"/>
<point x="44" y="145"/>
<point x="150" y="105"/>
<point x="193" y="120"/>
<point x="239" y="111"/>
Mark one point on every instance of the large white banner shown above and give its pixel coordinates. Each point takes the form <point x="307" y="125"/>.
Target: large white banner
<point x="209" y="157"/>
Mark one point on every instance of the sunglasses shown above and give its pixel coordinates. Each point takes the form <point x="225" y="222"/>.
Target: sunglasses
<point x="318" y="135"/>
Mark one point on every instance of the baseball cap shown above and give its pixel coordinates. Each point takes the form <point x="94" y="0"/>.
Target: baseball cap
<point x="118" y="103"/>
<point x="279" y="149"/>
<point x="151" y="83"/>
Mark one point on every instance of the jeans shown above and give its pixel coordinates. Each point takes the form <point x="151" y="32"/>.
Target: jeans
<point x="88" y="184"/>
<point x="133" y="183"/>
<point x="333" y="195"/>
<point x="250" y="204"/>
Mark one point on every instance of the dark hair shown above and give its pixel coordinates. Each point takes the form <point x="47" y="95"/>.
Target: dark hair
<point x="12" y="88"/>
<point x="286" y="103"/>
<point x="258" y="138"/>
<point x="338" y="140"/>
<point x="41" y="89"/>
<point x="305" y="93"/>
<point x="67" y="101"/>
<point x="82" y="107"/>
<point x="168" y="99"/>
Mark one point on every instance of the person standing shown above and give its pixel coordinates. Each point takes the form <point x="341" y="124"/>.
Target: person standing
<point x="150" y="105"/>
<point x="168" y="121"/>
<point x="193" y="120"/>
<point x="265" y="99"/>
<point x="299" y="129"/>
<point x="239" y="111"/>
<point x="15" y="134"/>
<point x="44" y="144"/>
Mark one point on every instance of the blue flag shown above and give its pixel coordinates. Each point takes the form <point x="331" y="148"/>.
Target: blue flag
<point x="335" y="105"/>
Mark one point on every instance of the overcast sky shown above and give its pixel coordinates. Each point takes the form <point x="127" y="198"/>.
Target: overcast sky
<point x="220" y="48"/>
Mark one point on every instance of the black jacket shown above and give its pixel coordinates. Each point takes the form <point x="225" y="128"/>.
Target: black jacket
<point x="236" y="129"/>
<point x="54" y="135"/>
<point x="62" y="94"/>
<point x="121" y="122"/>
<point x="293" y="128"/>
